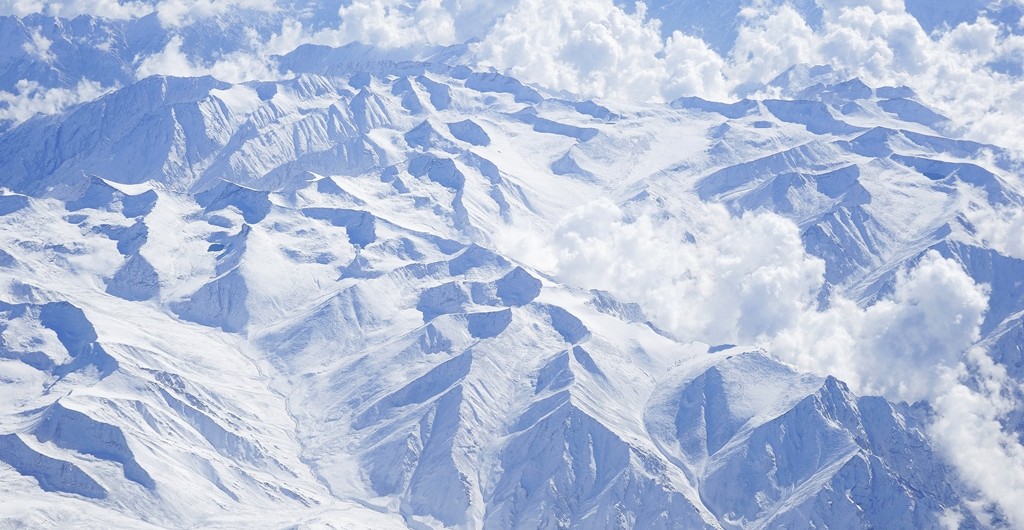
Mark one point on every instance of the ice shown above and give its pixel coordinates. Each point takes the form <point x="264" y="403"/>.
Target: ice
<point x="443" y="299"/>
<point x="78" y="336"/>
<point x="439" y="170"/>
<point x="425" y="136"/>
<point x="440" y="93"/>
<point x="410" y="99"/>
<point x="99" y="193"/>
<point x="219" y="303"/>
<point x="555" y="375"/>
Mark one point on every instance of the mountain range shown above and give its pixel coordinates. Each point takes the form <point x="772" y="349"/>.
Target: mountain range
<point x="344" y="297"/>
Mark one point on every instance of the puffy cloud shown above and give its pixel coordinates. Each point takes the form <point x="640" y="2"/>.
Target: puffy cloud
<point x="723" y="279"/>
<point x="970" y="72"/>
<point x="878" y="6"/>
<point x="393" y="24"/>
<point x="31" y="99"/>
<point x="170" y="61"/>
<point x="21" y="8"/>
<point x="734" y="279"/>
<point x="932" y="317"/>
<point x="968" y="430"/>
<point x="1001" y="228"/>
<point x="235" y="67"/>
<point x="768" y="43"/>
<point x="738" y="280"/>
<point x="170" y="12"/>
<point x="113" y="9"/>
<point x="692" y="67"/>
<point x="183" y="12"/>
<point x="291" y="36"/>
<point x="708" y="276"/>
<point x="593" y="48"/>
<point x="39" y="47"/>
<point x="410" y="23"/>
<point x="588" y="47"/>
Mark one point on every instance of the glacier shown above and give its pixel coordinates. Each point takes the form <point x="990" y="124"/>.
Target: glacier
<point x="324" y="299"/>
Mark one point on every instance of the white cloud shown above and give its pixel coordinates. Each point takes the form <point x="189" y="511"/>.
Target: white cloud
<point x="595" y="49"/>
<point x="693" y="68"/>
<point x="411" y="23"/>
<point x="933" y="316"/>
<point x="174" y="13"/>
<point x="1001" y="228"/>
<point x="950" y="519"/>
<point x="31" y="99"/>
<point x="39" y="46"/>
<point x="745" y="279"/>
<point x="169" y="61"/>
<point x="770" y="42"/>
<point x="661" y="261"/>
<point x="885" y="45"/>
<point x="969" y="432"/>
<point x="21" y="8"/>
<point x="741" y="279"/>
<point x="235" y="67"/>
<point x="292" y="35"/>
<point x="588" y="47"/>
<point x="723" y="279"/>
<point x="393" y="24"/>
<point x="113" y="9"/>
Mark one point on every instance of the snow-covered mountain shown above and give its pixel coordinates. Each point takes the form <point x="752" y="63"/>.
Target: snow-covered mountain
<point x="327" y="299"/>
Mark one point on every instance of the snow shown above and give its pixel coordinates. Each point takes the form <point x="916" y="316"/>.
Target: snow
<point x="332" y="300"/>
